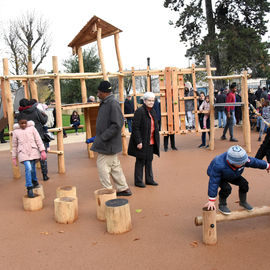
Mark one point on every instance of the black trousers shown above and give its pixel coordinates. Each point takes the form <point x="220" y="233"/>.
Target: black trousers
<point x="166" y="141"/>
<point x="147" y="163"/>
<point x="262" y="152"/>
<point x="43" y="163"/>
<point x="226" y="189"/>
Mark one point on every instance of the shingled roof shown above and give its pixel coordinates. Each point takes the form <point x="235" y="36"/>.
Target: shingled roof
<point x="88" y="33"/>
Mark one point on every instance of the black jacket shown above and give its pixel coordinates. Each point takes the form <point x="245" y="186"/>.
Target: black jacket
<point x="141" y="129"/>
<point x="109" y="123"/>
<point x="128" y="107"/>
<point x="38" y="117"/>
<point x="221" y="98"/>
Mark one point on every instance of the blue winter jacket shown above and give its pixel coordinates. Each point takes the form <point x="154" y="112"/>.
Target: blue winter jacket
<point x="219" y="169"/>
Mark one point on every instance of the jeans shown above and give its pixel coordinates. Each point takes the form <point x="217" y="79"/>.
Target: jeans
<point x="222" y="116"/>
<point x="75" y="125"/>
<point x="190" y="119"/>
<point x="129" y="122"/>
<point x="30" y="172"/>
<point x="229" y="125"/>
<point x="203" y="137"/>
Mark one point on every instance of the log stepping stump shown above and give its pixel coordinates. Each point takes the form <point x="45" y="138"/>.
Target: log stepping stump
<point x="32" y="204"/>
<point x="66" y="191"/>
<point x="39" y="191"/>
<point x="65" y="210"/>
<point x="102" y="195"/>
<point x="118" y="217"/>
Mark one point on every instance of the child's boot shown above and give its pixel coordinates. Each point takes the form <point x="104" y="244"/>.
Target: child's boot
<point x="35" y="184"/>
<point x="222" y="207"/>
<point x="46" y="177"/>
<point x="243" y="201"/>
<point x="30" y="192"/>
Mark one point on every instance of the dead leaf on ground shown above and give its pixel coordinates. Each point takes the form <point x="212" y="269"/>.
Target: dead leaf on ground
<point x="166" y="215"/>
<point x="60" y="231"/>
<point x="194" y="244"/>
<point x="45" y="233"/>
<point x="94" y="243"/>
<point x="136" y="239"/>
<point x="138" y="210"/>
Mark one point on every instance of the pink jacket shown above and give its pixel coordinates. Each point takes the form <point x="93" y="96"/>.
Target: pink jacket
<point x="205" y="106"/>
<point x="26" y="143"/>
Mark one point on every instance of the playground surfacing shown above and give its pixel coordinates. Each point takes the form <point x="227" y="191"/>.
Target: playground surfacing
<point x="163" y="236"/>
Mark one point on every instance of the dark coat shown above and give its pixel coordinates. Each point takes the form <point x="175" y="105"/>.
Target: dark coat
<point x="74" y="118"/>
<point x="141" y="129"/>
<point x="128" y="107"/>
<point x="109" y="123"/>
<point x="221" y="98"/>
<point x="39" y="118"/>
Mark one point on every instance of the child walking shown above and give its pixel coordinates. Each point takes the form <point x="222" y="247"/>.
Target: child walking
<point x="265" y="116"/>
<point x="205" y="106"/>
<point x="28" y="147"/>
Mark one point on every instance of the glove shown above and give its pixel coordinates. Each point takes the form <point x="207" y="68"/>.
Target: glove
<point x="43" y="155"/>
<point x="90" y="140"/>
<point x="14" y="161"/>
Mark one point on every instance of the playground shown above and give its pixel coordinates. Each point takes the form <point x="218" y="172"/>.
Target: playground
<point x="163" y="234"/>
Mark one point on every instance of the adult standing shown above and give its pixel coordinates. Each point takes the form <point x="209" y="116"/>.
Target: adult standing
<point x="129" y="109"/>
<point x="221" y="98"/>
<point x="238" y="109"/>
<point x="189" y="107"/>
<point x="28" y="110"/>
<point x="230" y="114"/>
<point x="108" y="141"/>
<point x="144" y="141"/>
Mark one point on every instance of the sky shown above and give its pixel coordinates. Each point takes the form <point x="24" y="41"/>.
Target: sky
<point x="146" y="31"/>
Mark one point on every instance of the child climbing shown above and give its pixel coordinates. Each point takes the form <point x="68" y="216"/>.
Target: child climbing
<point x="226" y="169"/>
<point x="205" y="106"/>
<point x="28" y="147"/>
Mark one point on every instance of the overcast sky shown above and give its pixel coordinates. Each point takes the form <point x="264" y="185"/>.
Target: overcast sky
<point x="146" y="32"/>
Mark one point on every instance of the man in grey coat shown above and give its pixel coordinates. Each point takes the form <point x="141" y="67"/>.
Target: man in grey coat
<point x="108" y="141"/>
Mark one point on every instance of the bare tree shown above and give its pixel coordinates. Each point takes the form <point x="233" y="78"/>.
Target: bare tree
<point x="27" y="40"/>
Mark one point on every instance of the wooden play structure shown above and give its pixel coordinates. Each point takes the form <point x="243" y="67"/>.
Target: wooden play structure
<point x="209" y="219"/>
<point x="171" y="84"/>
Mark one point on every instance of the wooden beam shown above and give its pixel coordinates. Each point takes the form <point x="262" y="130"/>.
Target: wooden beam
<point x="59" y="123"/>
<point x="224" y="77"/>
<point x="55" y="152"/>
<point x="134" y="90"/>
<point x="10" y="114"/>
<point x="237" y="215"/>
<point x="100" y="53"/>
<point x="33" y="86"/>
<point x="212" y="109"/>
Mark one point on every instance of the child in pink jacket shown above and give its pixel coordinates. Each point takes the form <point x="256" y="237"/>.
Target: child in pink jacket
<point x="205" y="106"/>
<point x="28" y="147"/>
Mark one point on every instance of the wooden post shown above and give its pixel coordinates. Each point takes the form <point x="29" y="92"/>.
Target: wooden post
<point x="148" y="80"/>
<point x="182" y="101"/>
<point x="9" y="102"/>
<point x="25" y="87"/>
<point x="168" y="75"/>
<point x="246" y="122"/>
<point x="33" y="86"/>
<point x="66" y="191"/>
<point x="121" y="90"/>
<point x="209" y="227"/>
<point x="134" y="89"/>
<point x="118" y="217"/>
<point x="103" y="195"/>
<point x="4" y="102"/>
<point x="84" y="100"/>
<point x="100" y="53"/>
<point x="175" y="100"/>
<point x="164" y="126"/>
<point x="32" y="204"/>
<point x="195" y="98"/>
<point x="65" y="210"/>
<point x="59" y="123"/>
<point x="212" y="109"/>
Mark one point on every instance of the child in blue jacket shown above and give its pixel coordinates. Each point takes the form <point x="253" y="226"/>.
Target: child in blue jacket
<point x="226" y="169"/>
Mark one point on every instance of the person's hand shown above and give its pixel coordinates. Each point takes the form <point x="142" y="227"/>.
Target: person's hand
<point x="210" y="205"/>
<point x="43" y="155"/>
<point x="14" y="161"/>
<point x="228" y="115"/>
<point x="268" y="169"/>
<point x="139" y="146"/>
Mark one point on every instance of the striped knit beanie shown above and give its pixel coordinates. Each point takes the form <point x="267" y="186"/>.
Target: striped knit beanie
<point x="236" y="155"/>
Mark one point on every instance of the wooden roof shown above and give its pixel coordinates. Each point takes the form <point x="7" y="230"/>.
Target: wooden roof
<point x="89" y="32"/>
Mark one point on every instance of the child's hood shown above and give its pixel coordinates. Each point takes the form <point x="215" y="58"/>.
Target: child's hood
<point x="30" y="123"/>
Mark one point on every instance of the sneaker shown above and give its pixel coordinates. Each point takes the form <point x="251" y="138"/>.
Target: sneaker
<point x="30" y="192"/>
<point x="174" y="148"/>
<point x="153" y="183"/>
<point x="35" y="184"/>
<point x="246" y="206"/>
<point x="126" y="192"/>
<point x="233" y="140"/>
<point x="165" y="149"/>
<point x="259" y="139"/>
<point x="201" y="145"/>
<point x="207" y="146"/>
<point x="141" y="185"/>
<point x="224" y="209"/>
<point x="223" y="137"/>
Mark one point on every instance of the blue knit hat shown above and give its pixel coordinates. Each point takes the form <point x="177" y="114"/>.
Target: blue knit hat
<point x="236" y="155"/>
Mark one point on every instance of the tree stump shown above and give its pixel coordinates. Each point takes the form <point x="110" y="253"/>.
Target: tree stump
<point x="118" y="217"/>
<point x="102" y="195"/>
<point x="39" y="191"/>
<point x="209" y="227"/>
<point x="65" y="210"/>
<point x="32" y="204"/>
<point x="66" y="191"/>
